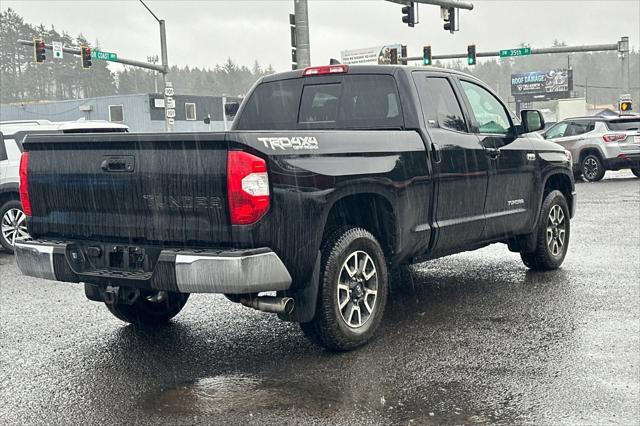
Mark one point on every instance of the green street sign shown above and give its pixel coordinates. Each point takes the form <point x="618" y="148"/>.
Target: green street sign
<point x="522" y="51"/>
<point x="103" y="56"/>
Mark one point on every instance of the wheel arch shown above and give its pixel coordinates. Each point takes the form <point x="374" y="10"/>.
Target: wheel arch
<point x="562" y="182"/>
<point x="369" y="210"/>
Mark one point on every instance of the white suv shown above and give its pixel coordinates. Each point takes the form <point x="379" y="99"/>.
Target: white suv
<point x="598" y="144"/>
<point x="12" y="220"/>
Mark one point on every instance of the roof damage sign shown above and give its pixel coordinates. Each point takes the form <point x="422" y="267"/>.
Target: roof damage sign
<point x="551" y="84"/>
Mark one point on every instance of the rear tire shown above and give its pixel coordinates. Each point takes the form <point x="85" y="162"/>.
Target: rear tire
<point x="636" y="172"/>
<point x="592" y="168"/>
<point x="147" y="312"/>
<point x="353" y="290"/>
<point x="553" y="232"/>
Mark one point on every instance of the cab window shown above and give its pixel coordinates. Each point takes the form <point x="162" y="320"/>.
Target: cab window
<point x="557" y="130"/>
<point x="576" y="128"/>
<point x="489" y="113"/>
<point x="440" y="105"/>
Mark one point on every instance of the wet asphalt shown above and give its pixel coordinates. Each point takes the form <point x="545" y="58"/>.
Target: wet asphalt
<point x="476" y="339"/>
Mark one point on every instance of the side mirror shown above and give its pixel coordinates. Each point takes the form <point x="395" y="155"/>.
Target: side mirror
<point x="231" y="108"/>
<point x="532" y="120"/>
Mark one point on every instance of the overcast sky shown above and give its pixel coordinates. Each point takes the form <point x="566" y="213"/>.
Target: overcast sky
<point x="203" y="33"/>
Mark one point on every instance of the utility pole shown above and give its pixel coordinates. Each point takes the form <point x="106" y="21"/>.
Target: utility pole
<point x="168" y="121"/>
<point x="303" y="49"/>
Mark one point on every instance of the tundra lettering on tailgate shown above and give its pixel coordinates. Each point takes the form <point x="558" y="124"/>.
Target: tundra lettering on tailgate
<point x="163" y="202"/>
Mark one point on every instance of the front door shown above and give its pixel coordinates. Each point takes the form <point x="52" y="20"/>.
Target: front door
<point x="508" y="208"/>
<point x="460" y="166"/>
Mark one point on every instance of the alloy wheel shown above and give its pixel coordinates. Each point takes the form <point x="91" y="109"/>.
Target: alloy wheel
<point x="591" y="168"/>
<point x="357" y="289"/>
<point x="556" y="230"/>
<point x="14" y="226"/>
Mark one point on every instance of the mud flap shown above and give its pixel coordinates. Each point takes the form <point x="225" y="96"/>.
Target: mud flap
<point x="305" y="298"/>
<point x="524" y="243"/>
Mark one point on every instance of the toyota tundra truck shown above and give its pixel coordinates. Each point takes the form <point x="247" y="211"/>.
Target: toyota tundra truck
<point x="331" y="179"/>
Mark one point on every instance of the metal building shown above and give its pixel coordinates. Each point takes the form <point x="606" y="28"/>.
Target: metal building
<point x="141" y="112"/>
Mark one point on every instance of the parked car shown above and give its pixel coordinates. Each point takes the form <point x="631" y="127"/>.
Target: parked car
<point x="598" y="144"/>
<point x="12" y="218"/>
<point x="330" y="178"/>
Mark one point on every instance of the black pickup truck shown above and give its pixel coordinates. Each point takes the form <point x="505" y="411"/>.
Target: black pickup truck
<point x="331" y="179"/>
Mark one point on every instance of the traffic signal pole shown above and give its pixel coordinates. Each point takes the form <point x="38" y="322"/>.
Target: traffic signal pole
<point x="540" y="51"/>
<point x="78" y="52"/>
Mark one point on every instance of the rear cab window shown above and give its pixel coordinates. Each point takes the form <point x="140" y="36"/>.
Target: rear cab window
<point x="358" y="101"/>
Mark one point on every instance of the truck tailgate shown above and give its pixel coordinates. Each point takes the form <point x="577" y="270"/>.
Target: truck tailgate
<point x="143" y="188"/>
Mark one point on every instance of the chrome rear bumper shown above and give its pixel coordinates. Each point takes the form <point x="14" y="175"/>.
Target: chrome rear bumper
<point x="201" y="271"/>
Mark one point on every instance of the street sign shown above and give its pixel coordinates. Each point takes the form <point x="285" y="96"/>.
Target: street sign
<point x="57" y="49"/>
<point x="103" y="56"/>
<point x="168" y="91"/>
<point x="171" y="121"/>
<point x="521" y="51"/>
<point x="171" y="103"/>
<point x="171" y="113"/>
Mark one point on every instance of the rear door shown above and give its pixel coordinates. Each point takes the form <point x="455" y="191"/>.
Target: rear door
<point x="511" y="182"/>
<point x="461" y="165"/>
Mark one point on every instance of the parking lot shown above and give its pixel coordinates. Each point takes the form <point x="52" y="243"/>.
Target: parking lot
<point x="477" y="339"/>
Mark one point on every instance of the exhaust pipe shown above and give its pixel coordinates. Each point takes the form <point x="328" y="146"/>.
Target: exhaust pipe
<point x="273" y="304"/>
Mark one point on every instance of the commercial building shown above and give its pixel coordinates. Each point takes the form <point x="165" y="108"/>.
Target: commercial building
<point x="141" y="112"/>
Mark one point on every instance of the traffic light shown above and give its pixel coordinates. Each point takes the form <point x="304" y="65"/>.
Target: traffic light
<point x="409" y="14"/>
<point x="471" y="54"/>
<point x="294" y="43"/>
<point x="403" y="54"/>
<point x="426" y="55"/>
<point x="449" y="15"/>
<point x="39" y="50"/>
<point x="626" y="106"/>
<point x="85" y="57"/>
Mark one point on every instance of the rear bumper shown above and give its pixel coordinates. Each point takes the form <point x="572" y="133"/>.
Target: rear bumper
<point x="623" y="161"/>
<point x="185" y="271"/>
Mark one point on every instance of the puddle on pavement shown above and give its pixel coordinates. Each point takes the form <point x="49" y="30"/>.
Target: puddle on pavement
<point x="233" y="394"/>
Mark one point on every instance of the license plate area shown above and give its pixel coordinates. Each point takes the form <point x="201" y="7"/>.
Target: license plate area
<point x="125" y="259"/>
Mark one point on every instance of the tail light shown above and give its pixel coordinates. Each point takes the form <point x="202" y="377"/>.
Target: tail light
<point x="247" y="187"/>
<point x="325" y="69"/>
<point x="24" y="184"/>
<point x="614" y="137"/>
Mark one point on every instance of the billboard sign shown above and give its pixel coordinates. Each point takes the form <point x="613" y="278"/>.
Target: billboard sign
<point x="378" y="55"/>
<point x="552" y="84"/>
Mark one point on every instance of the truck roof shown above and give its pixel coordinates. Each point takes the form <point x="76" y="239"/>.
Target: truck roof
<point x="370" y="69"/>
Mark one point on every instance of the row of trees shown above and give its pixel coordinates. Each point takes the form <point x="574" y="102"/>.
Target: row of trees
<point x="597" y="76"/>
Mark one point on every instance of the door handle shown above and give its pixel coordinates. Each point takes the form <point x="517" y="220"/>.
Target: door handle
<point x="493" y="153"/>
